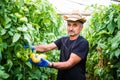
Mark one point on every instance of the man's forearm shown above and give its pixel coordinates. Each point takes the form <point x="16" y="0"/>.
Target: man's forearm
<point x="41" y="48"/>
<point x="45" y="47"/>
<point x="72" y="61"/>
<point x="61" y="65"/>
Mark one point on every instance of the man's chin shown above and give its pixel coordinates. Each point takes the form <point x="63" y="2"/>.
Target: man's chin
<point x="72" y="35"/>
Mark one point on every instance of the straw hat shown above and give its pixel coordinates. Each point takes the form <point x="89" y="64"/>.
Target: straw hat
<point x="75" y="16"/>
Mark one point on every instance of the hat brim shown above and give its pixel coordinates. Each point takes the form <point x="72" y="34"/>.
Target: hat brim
<point x="67" y="18"/>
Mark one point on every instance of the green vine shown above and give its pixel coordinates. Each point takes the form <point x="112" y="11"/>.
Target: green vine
<point x="104" y="38"/>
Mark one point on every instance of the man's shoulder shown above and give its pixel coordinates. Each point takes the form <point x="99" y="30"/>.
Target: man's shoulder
<point x="64" y="37"/>
<point x="82" y="39"/>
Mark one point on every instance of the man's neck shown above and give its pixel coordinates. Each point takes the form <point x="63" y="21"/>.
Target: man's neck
<point x="73" y="37"/>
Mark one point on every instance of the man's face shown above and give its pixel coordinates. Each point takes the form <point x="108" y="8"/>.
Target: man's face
<point x="74" y="28"/>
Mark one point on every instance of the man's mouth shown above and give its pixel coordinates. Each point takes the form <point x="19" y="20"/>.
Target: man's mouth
<point x="71" y="31"/>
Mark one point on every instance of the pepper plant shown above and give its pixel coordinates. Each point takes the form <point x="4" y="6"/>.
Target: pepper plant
<point x="103" y="35"/>
<point x="26" y="22"/>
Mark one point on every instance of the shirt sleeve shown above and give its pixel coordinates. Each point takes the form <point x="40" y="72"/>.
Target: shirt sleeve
<point x="58" y="43"/>
<point x="81" y="49"/>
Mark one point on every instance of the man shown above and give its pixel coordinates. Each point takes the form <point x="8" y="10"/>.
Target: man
<point x="73" y="51"/>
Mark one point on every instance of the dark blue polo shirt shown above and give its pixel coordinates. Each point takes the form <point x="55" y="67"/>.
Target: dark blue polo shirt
<point x="79" y="47"/>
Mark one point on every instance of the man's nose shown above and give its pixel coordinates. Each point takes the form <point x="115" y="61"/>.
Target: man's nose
<point x="71" y="27"/>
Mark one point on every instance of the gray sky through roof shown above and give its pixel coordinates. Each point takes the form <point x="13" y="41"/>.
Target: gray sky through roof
<point x="66" y="6"/>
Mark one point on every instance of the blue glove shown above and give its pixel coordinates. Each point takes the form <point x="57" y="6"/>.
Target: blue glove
<point x="43" y="63"/>
<point x="32" y="47"/>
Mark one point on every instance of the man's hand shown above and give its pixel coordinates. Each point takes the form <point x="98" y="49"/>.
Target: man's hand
<point x="32" y="47"/>
<point x="43" y="62"/>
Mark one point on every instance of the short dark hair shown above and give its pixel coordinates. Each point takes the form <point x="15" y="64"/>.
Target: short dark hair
<point x="80" y="21"/>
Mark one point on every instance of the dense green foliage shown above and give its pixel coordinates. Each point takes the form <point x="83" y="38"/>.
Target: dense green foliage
<point x="26" y="22"/>
<point x="30" y="22"/>
<point x="103" y="35"/>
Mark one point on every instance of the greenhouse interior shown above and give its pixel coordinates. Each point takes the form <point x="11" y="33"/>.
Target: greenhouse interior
<point x="45" y="40"/>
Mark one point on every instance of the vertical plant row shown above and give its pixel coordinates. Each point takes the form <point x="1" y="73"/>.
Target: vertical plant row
<point x="25" y="22"/>
<point x="103" y="35"/>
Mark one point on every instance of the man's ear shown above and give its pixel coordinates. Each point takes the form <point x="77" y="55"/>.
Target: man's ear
<point x="81" y="27"/>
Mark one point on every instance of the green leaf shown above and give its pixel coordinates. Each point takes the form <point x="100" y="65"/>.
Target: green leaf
<point x="118" y="22"/>
<point x="111" y="27"/>
<point x="10" y="33"/>
<point x="10" y="64"/>
<point x="103" y="45"/>
<point x="8" y="26"/>
<point x="27" y="37"/>
<point x="19" y="76"/>
<point x="23" y="28"/>
<point x="16" y="37"/>
<point x="111" y="15"/>
<point x="0" y="56"/>
<point x="3" y="31"/>
<point x="117" y="53"/>
<point x="102" y="32"/>
<point x="7" y="19"/>
<point x="46" y="21"/>
<point x="3" y="75"/>
<point x="5" y="45"/>
<point x="29" y="65"/>
<point x="114" y="45"/>
<point x="21" y="3"/>
<point x="115" y="41"/>
<point x="118" y="71"/>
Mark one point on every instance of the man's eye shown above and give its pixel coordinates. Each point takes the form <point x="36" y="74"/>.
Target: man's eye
<point x="68" y="24"/>
<point x="74" y="25"/>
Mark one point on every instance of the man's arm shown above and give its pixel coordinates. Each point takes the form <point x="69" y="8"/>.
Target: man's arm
<point x="73" y="60"/>
<point x="45" y="47"/>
